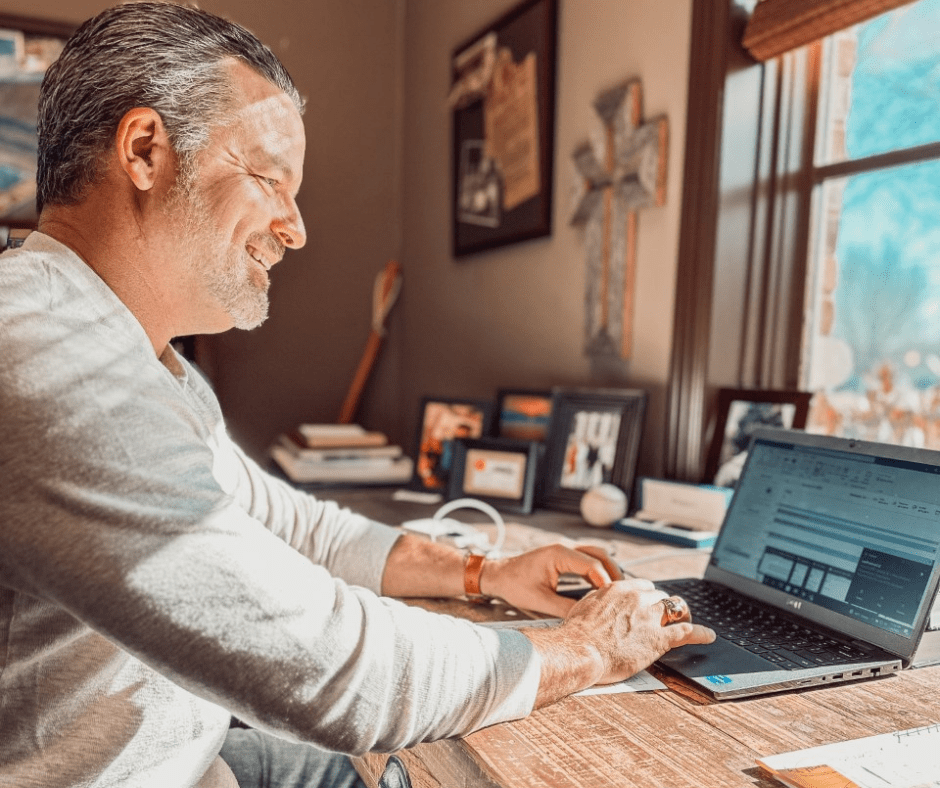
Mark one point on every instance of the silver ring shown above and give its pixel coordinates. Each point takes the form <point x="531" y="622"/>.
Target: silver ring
<point x="673" y="611"/>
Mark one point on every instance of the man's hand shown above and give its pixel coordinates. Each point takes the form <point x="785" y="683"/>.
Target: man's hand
<point x="528" y="581"/>
<point x="611" y="634"/>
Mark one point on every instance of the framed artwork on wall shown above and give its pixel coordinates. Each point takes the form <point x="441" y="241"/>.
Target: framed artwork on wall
<point x="442" y="421"/>
<point x="740" y="411"/>
<point x="499" y="471"/>
<point x="27" y="48"/>
<point x="594" y="439"/>
<point x="503" y="114"/>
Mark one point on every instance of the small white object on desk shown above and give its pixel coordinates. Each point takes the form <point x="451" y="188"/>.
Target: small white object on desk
<point x="417" y="496"/>
<point x="685" y="514"/>
<point x="603" y="505"/>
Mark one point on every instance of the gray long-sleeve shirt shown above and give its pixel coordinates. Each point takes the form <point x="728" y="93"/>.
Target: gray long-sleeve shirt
<point x="154" y="580"/>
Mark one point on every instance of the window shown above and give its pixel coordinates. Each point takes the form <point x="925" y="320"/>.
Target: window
<point x="871" y="337"/>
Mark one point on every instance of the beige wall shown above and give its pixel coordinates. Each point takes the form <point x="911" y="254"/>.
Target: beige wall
<point x="377" y="186"/>
<point x="514" y="316"/>
<point x="345" y="57"/>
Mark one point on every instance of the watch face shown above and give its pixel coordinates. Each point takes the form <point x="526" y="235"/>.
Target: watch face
<point x="395" y="774"/>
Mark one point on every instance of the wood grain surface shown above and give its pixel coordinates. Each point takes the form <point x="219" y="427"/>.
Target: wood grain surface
<point x="672" y="738"/>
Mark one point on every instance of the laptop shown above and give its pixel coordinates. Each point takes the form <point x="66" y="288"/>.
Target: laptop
<point x="829" y="545"/>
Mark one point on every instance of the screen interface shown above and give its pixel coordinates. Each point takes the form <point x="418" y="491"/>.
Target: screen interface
<point x="856" y="534"/>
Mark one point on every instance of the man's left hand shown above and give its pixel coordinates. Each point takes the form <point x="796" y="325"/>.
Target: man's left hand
<point x="529" y="581"/>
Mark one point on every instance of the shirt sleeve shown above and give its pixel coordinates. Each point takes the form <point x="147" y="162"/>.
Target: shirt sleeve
<point x="352" y="547"/>
<point x="112" y="512"/>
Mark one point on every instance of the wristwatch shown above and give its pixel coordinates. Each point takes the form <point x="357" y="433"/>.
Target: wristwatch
<point x="472" y="570"/>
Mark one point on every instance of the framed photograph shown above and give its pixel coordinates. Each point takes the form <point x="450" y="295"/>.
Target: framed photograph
<point x="27" y="48"/>
<point x="499" y="471"/>
<point x="442" y="421"/>
<point x="594" y="438"/>
<point x="503" y="113"/>
<point x="739" y="412"/>
<point x="523" y="414"/>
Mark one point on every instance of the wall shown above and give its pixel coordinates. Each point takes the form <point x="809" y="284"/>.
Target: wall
<point x="514" y="316"/>
<point x="377" y="186"/>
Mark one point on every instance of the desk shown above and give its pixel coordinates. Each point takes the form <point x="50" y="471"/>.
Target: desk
<point x="629" y="741"/>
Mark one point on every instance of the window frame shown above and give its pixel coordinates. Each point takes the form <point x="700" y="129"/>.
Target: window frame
<point x="745" y="234"/>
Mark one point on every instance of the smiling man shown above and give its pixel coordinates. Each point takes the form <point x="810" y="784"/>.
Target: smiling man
<point x="155" y="581"/>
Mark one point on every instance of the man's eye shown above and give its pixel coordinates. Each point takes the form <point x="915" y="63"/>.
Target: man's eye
<point x="271" y="182"/>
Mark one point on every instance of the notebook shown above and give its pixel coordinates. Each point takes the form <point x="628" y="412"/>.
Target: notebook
<point x="831" y="544"/>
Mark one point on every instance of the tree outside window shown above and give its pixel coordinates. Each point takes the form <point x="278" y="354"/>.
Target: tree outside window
<point x="871" y="344"/>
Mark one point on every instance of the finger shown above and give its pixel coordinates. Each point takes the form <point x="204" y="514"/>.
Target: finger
<point x="613" y="570"/>
<point x="584" y="564"/>
<point x="684" y="633"/>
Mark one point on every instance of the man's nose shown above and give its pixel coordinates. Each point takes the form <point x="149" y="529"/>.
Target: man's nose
<point x="290" y="227"/>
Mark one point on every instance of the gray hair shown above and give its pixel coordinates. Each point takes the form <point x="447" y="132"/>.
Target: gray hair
<point x="142" y="54"/>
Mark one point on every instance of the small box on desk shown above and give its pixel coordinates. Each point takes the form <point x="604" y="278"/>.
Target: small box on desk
<point x="676" y="512"/>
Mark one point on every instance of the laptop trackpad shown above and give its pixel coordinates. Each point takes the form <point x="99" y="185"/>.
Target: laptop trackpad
<point x="720" y="657"/>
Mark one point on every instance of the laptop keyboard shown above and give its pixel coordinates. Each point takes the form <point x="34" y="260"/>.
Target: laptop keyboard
<point x="760" y="630"/>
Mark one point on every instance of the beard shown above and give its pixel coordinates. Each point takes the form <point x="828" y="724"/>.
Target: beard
<point x="228" y="274"/>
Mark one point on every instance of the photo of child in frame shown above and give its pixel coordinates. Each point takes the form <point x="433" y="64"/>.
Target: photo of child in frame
<point x="443" y="422"/>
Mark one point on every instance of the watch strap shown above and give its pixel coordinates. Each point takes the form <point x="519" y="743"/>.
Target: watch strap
<point x="472" y="569"/>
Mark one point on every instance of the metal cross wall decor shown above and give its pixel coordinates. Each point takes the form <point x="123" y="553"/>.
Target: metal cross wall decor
<point x="626" y="172"/>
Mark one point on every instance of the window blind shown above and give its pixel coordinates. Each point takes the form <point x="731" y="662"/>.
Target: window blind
<point x="778" y="26"/>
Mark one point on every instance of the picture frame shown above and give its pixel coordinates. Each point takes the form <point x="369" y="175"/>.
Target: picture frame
<point x="28" y="46"/>
<point x="740" y="410"/>
<point x="594" y="438"/>
<point x="503" y="121"/>
<point x="499" y="471"/>
<point x="441" y="421"/>
<point x="523" y="414"/>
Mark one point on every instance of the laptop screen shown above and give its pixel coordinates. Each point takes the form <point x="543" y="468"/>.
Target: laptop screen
<point x="854" y="532"/>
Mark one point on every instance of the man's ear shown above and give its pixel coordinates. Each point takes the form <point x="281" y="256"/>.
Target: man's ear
<point x="143" y="147"/>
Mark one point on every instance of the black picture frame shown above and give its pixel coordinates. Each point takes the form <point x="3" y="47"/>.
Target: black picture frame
<point x="499" y="471"/>
<point x="523" y="414"/>
<point x="30" y="44"/>
<point x="441" y="421"/>
<point x="488" y="209"/>
<point x="594" y="438"/>
<point x="741" y="410"/>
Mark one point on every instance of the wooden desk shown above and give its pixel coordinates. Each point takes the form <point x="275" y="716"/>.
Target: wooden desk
<point x="673" y="738"/>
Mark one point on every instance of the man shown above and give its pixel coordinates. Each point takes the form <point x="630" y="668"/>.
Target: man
<point x="155" y="581"/>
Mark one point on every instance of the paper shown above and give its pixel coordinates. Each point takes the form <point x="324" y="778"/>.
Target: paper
<point x="474" y="70"/>
<point x="641" y="682"/>
<point x="904" y="759"/>
<point x="511" y="127"/>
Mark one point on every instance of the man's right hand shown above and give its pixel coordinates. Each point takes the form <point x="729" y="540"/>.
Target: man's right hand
<point x="611" y="634"/>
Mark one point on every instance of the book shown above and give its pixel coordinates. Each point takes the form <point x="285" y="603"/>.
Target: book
<point x="333" y="436"/>
<point x="391" y="470"/>
<point x="296" y="445"/>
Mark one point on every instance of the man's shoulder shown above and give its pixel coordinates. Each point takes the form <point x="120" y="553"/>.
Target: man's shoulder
<point x="39" y="273"/>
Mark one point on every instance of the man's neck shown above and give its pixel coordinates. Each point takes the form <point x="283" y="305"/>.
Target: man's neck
<point x="120" y="259"/>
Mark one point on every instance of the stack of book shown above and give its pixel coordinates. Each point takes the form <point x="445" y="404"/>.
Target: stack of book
<point x="340" y="454"/>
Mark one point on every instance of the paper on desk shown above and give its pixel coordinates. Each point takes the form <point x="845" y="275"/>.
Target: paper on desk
<point x="640" y="682"/>
<point x="904" y="759"/>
